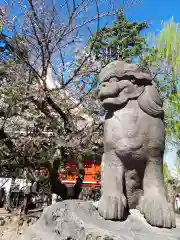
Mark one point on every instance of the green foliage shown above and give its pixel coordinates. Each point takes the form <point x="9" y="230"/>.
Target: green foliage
<point x="164" y="57"/>
<point x="121" y="40"/>
<point x="165" y="172"/>
<point x="177" y="165"/>
<point x="1" y="20"/>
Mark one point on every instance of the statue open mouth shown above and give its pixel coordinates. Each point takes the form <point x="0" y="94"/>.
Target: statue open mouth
<point x="108" y="92"/>
<point x="107" y="97"/>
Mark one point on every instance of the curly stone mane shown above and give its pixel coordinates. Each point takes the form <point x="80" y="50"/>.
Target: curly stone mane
<point x="149" y="100"/>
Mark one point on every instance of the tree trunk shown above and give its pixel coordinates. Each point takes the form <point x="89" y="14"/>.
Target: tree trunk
<point x="78" y="184"/>
<point x="56" y="186"/>
<point x="59" y="188"/>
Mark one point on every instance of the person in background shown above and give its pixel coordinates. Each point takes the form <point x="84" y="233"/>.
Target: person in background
<point x="35" y="187"/>
<point x="2" y="196"/>
<point x="177" y="203"/>
<point x="27" y="197"/>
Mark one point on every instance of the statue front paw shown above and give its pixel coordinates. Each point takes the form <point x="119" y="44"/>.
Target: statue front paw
<point x="112" y="207"/>
<point x="157" y="211"/>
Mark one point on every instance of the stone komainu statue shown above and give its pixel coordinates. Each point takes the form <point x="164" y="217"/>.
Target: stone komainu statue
<point x="134" y="140"/>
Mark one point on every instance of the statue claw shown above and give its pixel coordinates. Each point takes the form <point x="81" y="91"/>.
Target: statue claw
<point x="157" y="211"/>
<point x="112" y="208"/>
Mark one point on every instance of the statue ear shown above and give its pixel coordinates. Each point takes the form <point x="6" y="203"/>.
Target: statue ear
<point x="150" y="102"/>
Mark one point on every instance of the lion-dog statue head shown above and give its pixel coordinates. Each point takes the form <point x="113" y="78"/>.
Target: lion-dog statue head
<point x="134" y="140"/>
<point x="121" y="82"/>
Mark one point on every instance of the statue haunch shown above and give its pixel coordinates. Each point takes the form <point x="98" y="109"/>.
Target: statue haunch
<point x="132" y="163"/>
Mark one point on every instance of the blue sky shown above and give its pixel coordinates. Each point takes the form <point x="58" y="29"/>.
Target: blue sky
<point x="155" y="11"/>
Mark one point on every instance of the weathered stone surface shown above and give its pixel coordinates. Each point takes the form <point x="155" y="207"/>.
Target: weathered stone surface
<point x="134" y="142"/>
<point x="78" y="220"/>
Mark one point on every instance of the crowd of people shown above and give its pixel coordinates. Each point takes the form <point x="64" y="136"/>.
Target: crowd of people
<point x="28" y="197"/>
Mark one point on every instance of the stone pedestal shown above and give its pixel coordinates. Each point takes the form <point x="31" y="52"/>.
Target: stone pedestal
<point x="78" y="220"/>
